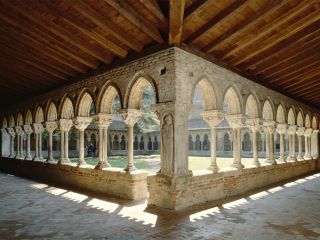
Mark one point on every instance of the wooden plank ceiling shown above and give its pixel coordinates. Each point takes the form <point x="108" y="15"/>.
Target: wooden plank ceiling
<point x="46" y="44"/>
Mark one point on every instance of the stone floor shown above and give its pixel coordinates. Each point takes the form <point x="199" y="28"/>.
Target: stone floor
<point x="31" y="210"/>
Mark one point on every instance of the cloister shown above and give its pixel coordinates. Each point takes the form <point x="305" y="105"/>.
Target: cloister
<point x="160" y="112"/>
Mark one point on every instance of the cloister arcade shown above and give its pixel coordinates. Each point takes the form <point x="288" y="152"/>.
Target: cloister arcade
<point x="226" y="97"/>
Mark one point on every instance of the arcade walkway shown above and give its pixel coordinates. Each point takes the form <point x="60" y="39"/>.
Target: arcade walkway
<point x="31" y="210"/>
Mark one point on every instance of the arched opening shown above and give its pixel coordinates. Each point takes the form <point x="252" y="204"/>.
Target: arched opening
<point x="5" y="139"/>
<point x="52" y="113"/>
<point x="267" y="111"/>
<point x="39" y="119"/>
<point x="300" y="119"/>
<point x="291" y="117"/>
<point x="86" y="105"/>
<point x="307" y="121"/>
<point x="252" y="110"/>
<point x="314" y="122"/>
<point x="246" y="143"/>
<point x="280" y="117"/>
<point x="67" y="110"/>
<point x="28" y="118"/>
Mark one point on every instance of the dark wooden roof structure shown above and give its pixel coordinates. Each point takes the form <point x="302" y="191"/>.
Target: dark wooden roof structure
<point x="46" y="44"/>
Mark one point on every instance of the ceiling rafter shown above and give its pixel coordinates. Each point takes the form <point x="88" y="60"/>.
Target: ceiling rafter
<point x="176" y="20"/>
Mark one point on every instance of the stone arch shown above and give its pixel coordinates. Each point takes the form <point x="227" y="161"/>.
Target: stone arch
<point x="85" y="100"/>
<point x="149" y="143"/>
<point x="191" y="144"/>
<point x="19" y="119"/>
<point x="39" y="116"/>
<point x="280" y="116"/>
<point x="197" y="143"/>
<point x="136" y="91"/>
<point x="267" y="111"/>
<point x="4" y="123"/>
<point x="52" y="114"/>
<point x="252" y="107"/>
<point x="232" y="99"/>
<point x="141" y="144"/>
<point x="206" y="143"/>
<point x="291" y="117"/>
<point x="155" y="143"/>
<point x="315" y="122"/>
<point x="67" y="109"/>
<point x="106" y="97"/>
<point x="116" y="143"/>
<point x="307" y="121"/>
<point x="246" y="142"/>
<point x="300" y="119"/>
<point x="226" y="142"/>
<point x="208" y="94"/>
<point x="11" y="121"/>
<point x="28" y="118"/>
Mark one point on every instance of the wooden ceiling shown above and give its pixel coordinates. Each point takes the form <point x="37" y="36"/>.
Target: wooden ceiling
<point x="49" y="43"/>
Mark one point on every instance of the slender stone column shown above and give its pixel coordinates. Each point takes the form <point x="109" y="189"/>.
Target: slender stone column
<point x="282" y="129"/>
<point x="38" y="129"/>
<point x="12" y="134"/>
<point x="65" y="126"/>
<point x="254" y="126"/>
<point x="130" y="117"/>
<point x="19" y="133"/>
<point x="307" y="137"/>
<point x="236" y="123"/>
<point x="21" y="145"/>
<point x="213" y="118"/>
<point x="315" y="144"/>
<point x="50" y="127"/>
<point x="40" y="145"/>
<point x="103" y="121"/>
<point x="269" y="129"/>
<point x="81" y="123"/>
<point x="300" y="133"/>
<point x="291" y="135"/>
<point x="28" y="130"/>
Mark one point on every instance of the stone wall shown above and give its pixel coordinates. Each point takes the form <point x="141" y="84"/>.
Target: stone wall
<point x="114" y="182"/>
<point x="181" y="192"/>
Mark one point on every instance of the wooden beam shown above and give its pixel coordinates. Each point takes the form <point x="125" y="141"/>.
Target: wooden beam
<point x="129" y="13"/>
<point x="298" y="79"/>
<point x="195" y="9"/>
<point x="176" y="20"/>
<point x="309" y="86"/>
<point x="154" y="9"/>
<point x="24" y="9"/>
<point x="213" y="21"/>
<point x="107" y="26"/>
<point x="249" y="21"/>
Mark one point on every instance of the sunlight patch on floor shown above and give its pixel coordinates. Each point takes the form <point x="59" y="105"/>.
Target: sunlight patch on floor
<point x="203" y="214"/>
<point x="75" y="196"/>
<point x="259" y="195"/>
<point x="39" y="185"/>
<point x="103" y="205"/>
<point x="235" y="203"/>
<point x="56" y="191"/>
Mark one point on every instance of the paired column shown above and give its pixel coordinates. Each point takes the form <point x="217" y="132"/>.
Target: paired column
<point x="213" y="118"/>
<point x="282" y="129"/>
<point x="38" y="129"/>
<point x="307" y="138"/>
<point x="291" y="137"/>
<point x="130" y="117"/>
<point x="12" y="134"/>
<point x="103" y="120"/>
<point x="50" y="127"/>
<point x="81" y="123"/>
<point x="300" y="133"/>
<point x="28" y="130"/>
<point x="254" y="126"/>
<point x="236" y="123"/>
<point x="19" y="133"/>
<point x="269" y="128"/>
<point x="65" y="126"/>
<point x="315" y="144"/>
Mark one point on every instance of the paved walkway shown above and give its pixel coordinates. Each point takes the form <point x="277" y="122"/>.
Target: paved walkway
<point x="31" y="210"/>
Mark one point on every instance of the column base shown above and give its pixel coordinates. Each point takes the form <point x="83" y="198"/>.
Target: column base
<point x="64" y="161"/>
<point x="214" y="168"/>
<point x="28" y="158"/>
<point x="300" y="158"/>
<point x="291" y="159"/>
<point x="271" y="161"/>
<point x="282" y="159"/>
<point x="129" y="168"/>
<point x="52" y="161"/>
<point x="238" y="166"/>
<point x="307" y="157"/>
<point x="256" y="163"/>
<point x="82" y="163"/>
<point x="101" y="165"/>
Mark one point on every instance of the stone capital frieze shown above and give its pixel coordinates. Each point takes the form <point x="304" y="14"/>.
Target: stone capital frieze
<point x="235" y="120"/>
<point x="213" y="117"/>
<point x="292" y="129"/>
<point x="81" y="123"/>
<point x="51" y="126"/>
<point x="38" y="128"/>
<point x="131" y="116"/>
<point x="103" y="120"/>
<point x="300" y="131"/>
<point x="28" y="129"/>
<point x="282" y="128"/>
<point x="65" y="124"/>
<point x="308" y="132"/>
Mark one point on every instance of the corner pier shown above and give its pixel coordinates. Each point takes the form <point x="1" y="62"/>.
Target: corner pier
<point x="174" y="73"/>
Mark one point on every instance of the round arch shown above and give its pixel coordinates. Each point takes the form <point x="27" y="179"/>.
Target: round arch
<point x="267" y="111"/>
<point x="39" y="117"/>
<point x="4" y="123"/>
<point x="84" y="102"/>
<point x="307" y="121"/>
<point x="208" y="94"/>
<point x="232" y="99"/>
<point x="291" y="116"/>
<point x="315" y="122"/>
<point x="19" y="119"/>
<point x="52" y="114"/>
<point x="280" y="116"/>
<point x="67" y="109"/>
<point x="136" y="91"/>
<point x="106" y="97"/>
<point x="11" y="121"/>
<point x="300" y="119"/>
<point x="28" y="118"/>
<point x="252" y="108"/>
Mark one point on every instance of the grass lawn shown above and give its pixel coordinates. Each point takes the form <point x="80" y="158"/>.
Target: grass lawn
<point x="151" y="163"/>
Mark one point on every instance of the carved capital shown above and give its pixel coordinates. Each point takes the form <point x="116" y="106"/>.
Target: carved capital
<point x="51" y="126"/>
<point x="235" y="120"/>
<point x="65" y="124"/>
<point x="315" y="130"/>
<point x="300" y="131"/>
<point x="269" y="126"/>
<point x="308" y="132"/>
<point x="282" y="128"/>
<point x="213" y="117"/>
<point x="103" y="120"/>
<point x="162" y="109"/>
<point x="11" y="132"/>
<point x="292" y="129"/>
<point x="19" y="130"/>
<point x="254" y="124"/>
<point x="27" y="129"/>
<point x="131" y="116"/>
<point x="38" y="128"/>
<point x="81" y="123"/>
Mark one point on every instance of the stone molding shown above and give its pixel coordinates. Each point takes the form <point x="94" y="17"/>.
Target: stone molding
<point x="131" y="116"/>
<point x="81" y="123"/>
<point x="103" y="120"/>
<point x="213" y="117"/>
